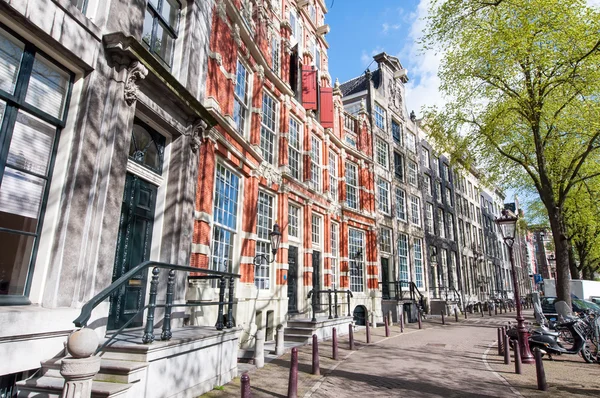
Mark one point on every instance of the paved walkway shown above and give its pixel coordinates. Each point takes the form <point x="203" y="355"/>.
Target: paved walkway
<point x="437" y="361"/>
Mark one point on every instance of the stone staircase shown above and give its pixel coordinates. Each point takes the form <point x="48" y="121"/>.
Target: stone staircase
<point x="117" y="378"/>
<point x="301" y="330"/>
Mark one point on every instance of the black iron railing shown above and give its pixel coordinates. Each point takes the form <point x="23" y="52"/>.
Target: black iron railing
<point x="332" y="300"/>
<point x="223" y="278"/>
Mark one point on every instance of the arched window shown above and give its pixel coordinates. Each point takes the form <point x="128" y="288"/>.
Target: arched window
<point x="147" y="147"/>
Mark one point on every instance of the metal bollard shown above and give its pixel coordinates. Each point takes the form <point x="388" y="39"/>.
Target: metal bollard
<point x="390" y="318"/>
<point x="387" y="327"/>
<point x="466" y="316"/>
<point x="495" y="310"/>
<point x="334" y="346"/>
<point x="481" y="309"/>
<point x="279" y="342"/>
<point x="539" y="370"/>
<point x="506" y="350"/>
<point x="443" y="319"/>
<point x="368" y="332"/>
<point x="500" y="352"/>
<point x="315" y="356"/>
<point x="419" y="320"/>
<point x="456" y="314"/>
<point x="293" y="380"/>
<point x="351" y="336"/>
<point x="489" y="310"/>
<point x="517" y="354"/>
<point x="246" y="386"/>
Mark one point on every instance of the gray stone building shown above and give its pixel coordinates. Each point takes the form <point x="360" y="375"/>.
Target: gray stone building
<point x="398" y="180"/>
<point x="102" y="116"/>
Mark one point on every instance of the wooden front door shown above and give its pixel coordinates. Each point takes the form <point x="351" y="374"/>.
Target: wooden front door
<point x="385" y="280"/>
<point x="133" y="247"/>
<point x="292" y="279"/>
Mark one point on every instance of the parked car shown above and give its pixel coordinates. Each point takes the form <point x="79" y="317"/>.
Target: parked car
<point x="578" y="305"/>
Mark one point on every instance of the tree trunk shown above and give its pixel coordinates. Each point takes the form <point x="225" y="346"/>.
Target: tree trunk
<point x="561" y="247"/>
<point x="573" y="262"/>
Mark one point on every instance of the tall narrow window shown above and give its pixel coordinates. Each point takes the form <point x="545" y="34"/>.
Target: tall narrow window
<point x="333" y="175"/>
<point x="381" y="153"/>
<point x="294" y="153"/>
<point x="428" y="185"/>
<point x="356" y="249"/>
<point x="264" y="223"/>
<point x="446" y="172"/>
<point x="335" y="244"/>
<point x="267" y="128"/>
<point x="224" y="219"/>
<point x="383" y="190"/>
<point x="34" y="96"/>
<point x="436" y="166"/>
<point x="81" y="5"/>
<point x="385" y="240"/>
<point x="293" y="221"/>
<point x="425" y="157"/>
<point x="439" y="193"/>
<point x="379" y="116"/>
<point x="315" y="163"/>
<point x="411" y="142"/>
<point x="429" y="220"/>
<point x="412" y="174"/>
<point x="399" y="166"/>
<point x="418" y="251"/>
<point x="441" y="224"/>
<point x="403" y="258"/>
<point x="275" y="56"/>
<point x="449" y="197"/>
<point x="450" y="226"/>
<point x="400" y="204"/>
<point x="161" y="24"/>
<point x="396" y="132"/>
<point x="316" y="230"/>
<point x="351" y="186"/>
<point x="415" y="210"/>
<point x="240" y="106"/>
<point x="444" y="256"/>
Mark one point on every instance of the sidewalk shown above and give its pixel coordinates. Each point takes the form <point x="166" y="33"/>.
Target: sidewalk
<point x="434" y="361"/>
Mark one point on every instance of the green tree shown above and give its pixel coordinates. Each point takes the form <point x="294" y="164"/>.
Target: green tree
<point x="523" y="84"/>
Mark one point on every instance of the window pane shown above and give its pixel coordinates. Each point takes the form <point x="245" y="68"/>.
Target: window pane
<point x="2" y="109"/>
<point x="31" y="144"/>
<point x="15" y="255"/>
<point x="147" y="32"/>
<point x="146" y="148"/>
<point x="48" y="87"/>
<point x="170" y="12"/>
<point x="20" y="200"/>
<point x="164" y="44"/>
<point x="11" y="52"/>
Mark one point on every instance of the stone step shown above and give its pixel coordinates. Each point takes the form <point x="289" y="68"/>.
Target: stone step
<point x="51" y="387"/>
<point x="298" y="338"/>
<point x="111" y="370"/>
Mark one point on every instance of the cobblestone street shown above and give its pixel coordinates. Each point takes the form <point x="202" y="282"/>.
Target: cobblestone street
<point x="438" y="361"/>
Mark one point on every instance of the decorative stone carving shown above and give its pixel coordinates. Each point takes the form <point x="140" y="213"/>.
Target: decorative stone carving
<point x="196" y="133"/>
<point x="269" y="172"/>
<point x="222" y="10"/>
<point x="137" y="71"/>
<point x="236" y="35"/>
<point x="260" y="71"/>
<point x="395" y="93"/>
<point x="217" y="57"/>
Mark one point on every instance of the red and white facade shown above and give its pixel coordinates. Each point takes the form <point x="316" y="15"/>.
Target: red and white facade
<point x="283" y="151"/>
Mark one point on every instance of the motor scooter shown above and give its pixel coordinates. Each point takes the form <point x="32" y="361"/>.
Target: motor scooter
<point x="549" y="344"/>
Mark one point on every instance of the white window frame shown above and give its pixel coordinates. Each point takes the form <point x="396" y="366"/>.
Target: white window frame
<point x="411" y="141"/>
<point x="333" y="176"/>
<point x="413" y="178"/>
<point x="382" y="153"/>
<point x="380" y="115"/>
<point x="415" y="210"/>
<point x="356" y="242"/>
<point x="441" y="223"/>
<point x="450" y="224"/>
<point x="352" y="187"/>
<point x="268" y="132"/>
<point x="262" y="271"/>
<point x="425" y="157"/>
<point x="403" y="258"/>
<point x="275" y="53"/>
<point x="316" y="174"/>
<point x="316" y="229"/>
<point x="295" y="147"/>
<point x="429" y="226"/>
<point x="383" y="195"/>
<point x="385" y="240"/>
<point x="294" y="221"/>
<point x="242" y="103"/>
<point x="401" y="205"/>
<point x="418" y="260"/>
<point x="428" y="184"/>
<point x="335" y="253"/>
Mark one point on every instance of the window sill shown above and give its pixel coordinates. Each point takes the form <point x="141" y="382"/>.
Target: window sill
<point x="14" y="300"/>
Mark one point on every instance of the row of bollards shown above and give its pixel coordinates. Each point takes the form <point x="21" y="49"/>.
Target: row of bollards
<point x="504" y="350"/>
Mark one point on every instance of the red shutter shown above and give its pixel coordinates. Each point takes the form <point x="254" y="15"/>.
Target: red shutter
<point x="309" y="88"/>
<point x="326" y="107"/>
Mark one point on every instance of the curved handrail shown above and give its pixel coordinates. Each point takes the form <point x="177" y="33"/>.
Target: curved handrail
<point x="86" y="310"/>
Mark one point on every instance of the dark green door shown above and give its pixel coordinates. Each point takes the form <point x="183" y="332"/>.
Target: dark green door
<point x="292" y="279"/>
<point x="316" y="277"/>
<point x="385" y="280"/>
<point x="133" y="247"/>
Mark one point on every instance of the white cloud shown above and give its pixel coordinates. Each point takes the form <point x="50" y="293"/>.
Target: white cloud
<point x="423" y="87"/>
<point x="386" y="27"/>
<point x="593" y="3"/>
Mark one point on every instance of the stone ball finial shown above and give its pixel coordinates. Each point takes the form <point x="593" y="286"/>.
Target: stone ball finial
<point x="82" y="343"/>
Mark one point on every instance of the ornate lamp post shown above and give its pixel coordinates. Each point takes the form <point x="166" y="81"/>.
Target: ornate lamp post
<point x="508" y="227"/>
<point x="275" y="238"/>
<point x="552" y="264"/>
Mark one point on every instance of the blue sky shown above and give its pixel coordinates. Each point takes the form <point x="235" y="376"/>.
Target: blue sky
<point x="361" y="29"/>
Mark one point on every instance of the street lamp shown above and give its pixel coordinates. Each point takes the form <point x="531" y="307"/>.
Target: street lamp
<point x="552" y="264"/>
<point x="508" y="227"/>
<point x="275" y="238"/>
